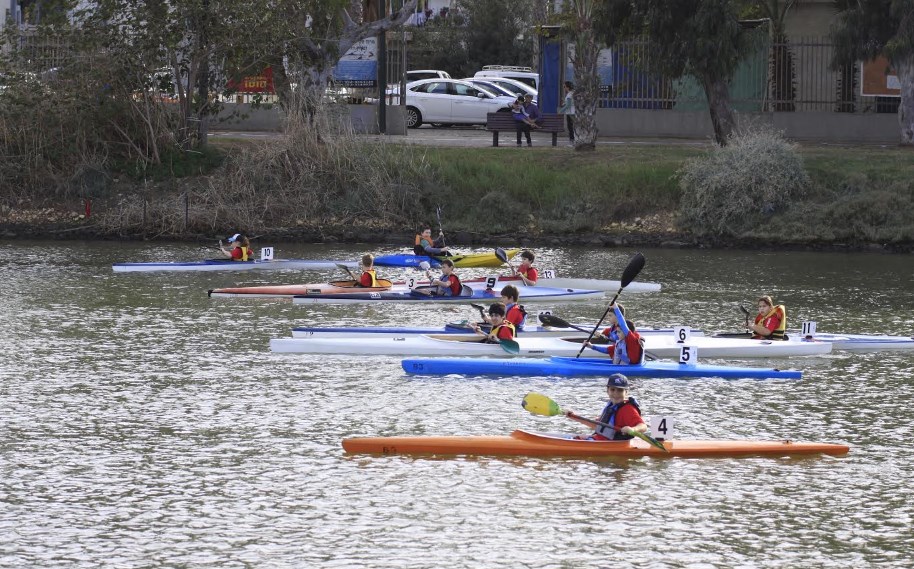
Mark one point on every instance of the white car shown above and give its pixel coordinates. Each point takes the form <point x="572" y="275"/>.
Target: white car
<point x="451" y="101"/>
<point x="516" y="87"/>
<point x="420" y="74"/>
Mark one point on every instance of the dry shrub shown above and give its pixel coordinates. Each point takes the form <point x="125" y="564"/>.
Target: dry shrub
<point x="737" y="188"/>
<point x="319" y="170"/>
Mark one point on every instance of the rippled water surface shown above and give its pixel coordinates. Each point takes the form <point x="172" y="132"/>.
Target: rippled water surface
<point x="144" y="424"/>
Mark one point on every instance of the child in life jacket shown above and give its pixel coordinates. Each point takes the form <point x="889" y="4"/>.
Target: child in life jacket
<point x="622" y="413"/>
<point x="625" y="344"/>
<point x="241" y="250"/>
<point x="369" y="278"/>
<point x="501" y="328"/>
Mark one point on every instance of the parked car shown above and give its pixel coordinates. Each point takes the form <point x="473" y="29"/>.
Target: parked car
<point x="495" y="84"/>
<point x="420" y="74"/>
<point x="451" y="101"/>
<point x="523" y="74"/>
<point x="513" y="85"/>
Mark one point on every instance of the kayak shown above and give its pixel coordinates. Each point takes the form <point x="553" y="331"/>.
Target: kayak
<point x="468" y="295"/>
<point x="582" y="367"/>
<point x="526" y="443"/>
<point x="466" y="260"/>
<point x="848" y="342"/>
<point x="289" y="291"/>
<point x="229" y="265"/>
<point x="456" y="328"/>
<point x="537" y="347"/>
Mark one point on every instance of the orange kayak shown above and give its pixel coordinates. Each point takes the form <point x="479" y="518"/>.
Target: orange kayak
<point x="524" y="443"/>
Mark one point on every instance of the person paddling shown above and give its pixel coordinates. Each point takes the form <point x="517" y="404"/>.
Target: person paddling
<point x="626" y="345"/>
<point x="425" y="245"/>
<point x="771" y="321"/>
<point x="368" y="279"/>
<point x="621" y="411"/>
<point x="527" y="273"/>
<point x="501" y="328"/>
<point x="241" y="250"/>
<point x="514" y="312"/>
<point x="448" y="284"/>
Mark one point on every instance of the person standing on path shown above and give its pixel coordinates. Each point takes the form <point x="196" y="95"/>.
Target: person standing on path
<point x="568" y="109"/>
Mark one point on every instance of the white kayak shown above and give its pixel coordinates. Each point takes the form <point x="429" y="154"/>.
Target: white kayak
<point x="847" y="342"/>
<point x="229" y="265"/>
<point x="468" y="296"/>
<point x="530" y="331"/>
<point x="471" y="345"/>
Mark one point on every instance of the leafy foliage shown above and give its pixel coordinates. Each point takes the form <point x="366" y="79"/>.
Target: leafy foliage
<point x="743" y="185"/>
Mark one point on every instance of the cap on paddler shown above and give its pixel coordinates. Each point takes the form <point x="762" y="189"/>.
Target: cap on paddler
<point x="617" y="380"/>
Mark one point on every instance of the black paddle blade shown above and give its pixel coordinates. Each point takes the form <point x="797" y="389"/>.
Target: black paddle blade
<point x="554" y="321"/>
<point x="501" y="255"/>
<point x="744" y="309"/>
<point x="635" y="264"/>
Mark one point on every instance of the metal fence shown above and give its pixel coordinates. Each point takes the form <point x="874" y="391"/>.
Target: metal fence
<point x="781" y="76"/>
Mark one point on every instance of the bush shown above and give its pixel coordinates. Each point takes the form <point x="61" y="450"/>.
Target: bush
<point x="737" y="188"/>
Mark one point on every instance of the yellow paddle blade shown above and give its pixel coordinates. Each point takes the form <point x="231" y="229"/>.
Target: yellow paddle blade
<point x="539" y="404"/>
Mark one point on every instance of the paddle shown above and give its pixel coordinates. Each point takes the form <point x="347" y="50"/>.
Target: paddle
<point x="509" y="346"/>
<point x="539" y="404"/>
<point x="440" y="229"/>
<point x="346" y="268"/>
<point x="746" y="312"/>
<point x="481" y="309"/>
<point x="635" y="264"/>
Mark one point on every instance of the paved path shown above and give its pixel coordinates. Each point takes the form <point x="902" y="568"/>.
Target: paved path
<point x="471" y="137"/>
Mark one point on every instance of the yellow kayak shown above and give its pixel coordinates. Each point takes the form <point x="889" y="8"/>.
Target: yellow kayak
<point x="466" y="260"/>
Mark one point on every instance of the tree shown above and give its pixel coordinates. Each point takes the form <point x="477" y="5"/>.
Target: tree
<point x="587" y="83"/>
<point x="702" y="38"/>
<point x="869" y="28"/>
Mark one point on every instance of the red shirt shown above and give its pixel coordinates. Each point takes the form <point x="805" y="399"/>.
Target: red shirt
<point x="238" y="254"/>
<point x="515" y="316"/>
<point x="365" y="279"/>
<point x="454" y="285"/>
<point x="531" y="274"/>
<point x="771" y="323"/>
<point x="626" y="416"/>
<point x="504" y="332"/>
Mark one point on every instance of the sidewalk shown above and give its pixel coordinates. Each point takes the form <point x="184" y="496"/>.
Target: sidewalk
<point x="473" y="137"/>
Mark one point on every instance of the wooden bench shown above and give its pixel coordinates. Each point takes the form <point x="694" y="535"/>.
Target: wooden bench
<point x="504" y="122"/>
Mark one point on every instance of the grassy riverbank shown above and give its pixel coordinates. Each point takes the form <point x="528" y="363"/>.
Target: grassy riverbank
<point x="859" y="197"/>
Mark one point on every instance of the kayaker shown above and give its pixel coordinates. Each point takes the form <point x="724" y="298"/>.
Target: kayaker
<point x="425" y="245"/>
<point x="448" y="284"/>
<point x="501" y="328"/>
<point x="241" y="250"/>
<point x="514" y="312"/>
<point x="625" y="344"/>
<point x="771" y="321"/>
<point x="368" y="278"/>
<point x="622" y="412"/>
<point x="525" y="270"/>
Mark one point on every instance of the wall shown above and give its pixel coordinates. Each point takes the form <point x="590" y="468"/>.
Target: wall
<point x="812" y="126"/>
<point x="364" y="119"/>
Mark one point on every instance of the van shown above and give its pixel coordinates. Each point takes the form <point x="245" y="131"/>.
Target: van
<point x="525" y="75"/>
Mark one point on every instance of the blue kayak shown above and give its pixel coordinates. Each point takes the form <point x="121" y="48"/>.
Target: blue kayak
<point x="460" y="260"/>
<point x="581" y="367"/>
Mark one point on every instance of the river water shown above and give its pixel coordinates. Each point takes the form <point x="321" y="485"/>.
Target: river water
<point x="143" y="424"/>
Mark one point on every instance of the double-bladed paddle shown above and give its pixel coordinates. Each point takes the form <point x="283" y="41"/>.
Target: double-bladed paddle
<point x="539" y="404"/>
<point x="556" y="322"/>
<point x="635" y="264"/>
<point x="440" y="228"/>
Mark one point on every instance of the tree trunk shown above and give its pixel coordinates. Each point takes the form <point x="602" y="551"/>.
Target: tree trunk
<point x="904" y="67"/>
<point x="587" y="84"/>
<point x="718" y="93"/>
